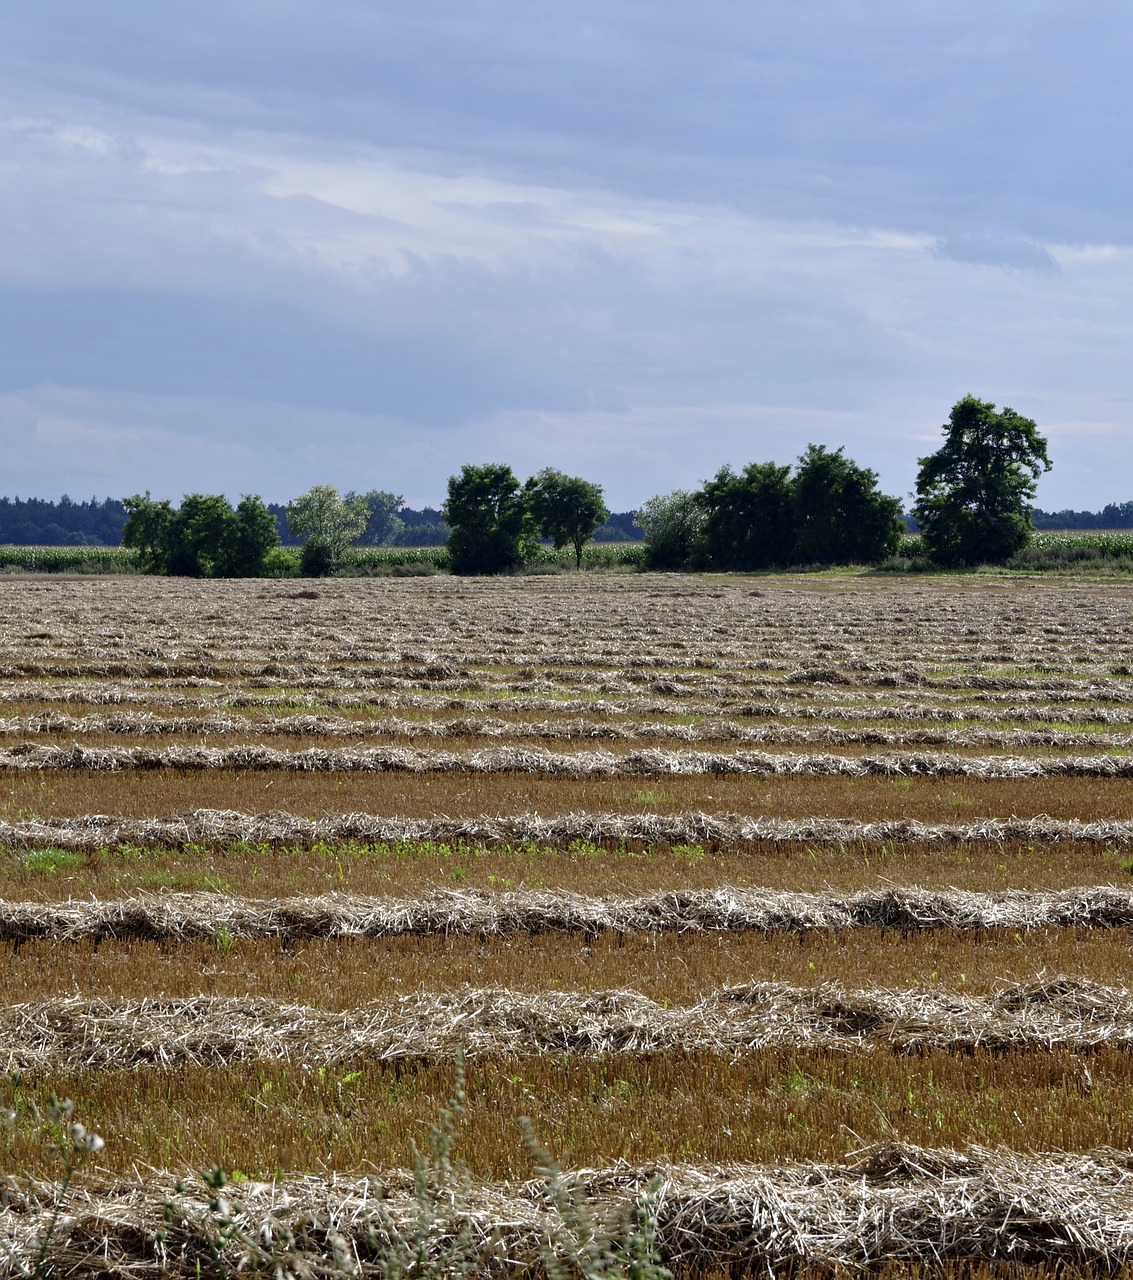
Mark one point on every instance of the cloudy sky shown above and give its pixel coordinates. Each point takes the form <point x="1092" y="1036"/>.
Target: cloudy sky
<point x="250" y="245"/>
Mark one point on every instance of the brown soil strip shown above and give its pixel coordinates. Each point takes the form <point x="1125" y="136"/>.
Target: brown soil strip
<point x="341" y="973"/>
<point x="776" y="1104"/>
<point x="631" y="868"/>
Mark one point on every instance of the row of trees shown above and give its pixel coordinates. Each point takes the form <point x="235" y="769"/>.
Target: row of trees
<point x="207" y="537"/>
<point x="66" y="523"/>
<point x="972" y="506"/>
<point x="495" y="525"/>
<point x="496" y="522"/>
<point x="828" y="511"/>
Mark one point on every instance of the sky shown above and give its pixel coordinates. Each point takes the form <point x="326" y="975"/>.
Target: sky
<point x="253" y="245"/>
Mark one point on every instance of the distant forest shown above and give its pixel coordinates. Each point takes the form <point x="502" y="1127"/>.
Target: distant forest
<point x="39" y="522"/>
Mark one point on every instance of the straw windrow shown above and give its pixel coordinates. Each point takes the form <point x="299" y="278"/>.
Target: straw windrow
<point x="177" y="917"/>
<point x="893" y="1203"/>
<point x="222" y="826"/>
<point x="75" y="1034"/>
<point x="655" y="763"/>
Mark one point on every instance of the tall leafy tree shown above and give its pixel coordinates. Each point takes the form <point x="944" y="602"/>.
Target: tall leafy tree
<point x="841" y="517"/>
<point x="749" y="517"/>
<point x="328" y="524"/>
<point x="492" y="527"/>
<point x="566" y="509"/>
<point x="255" y="533"/>
<point x="147" y="530"/>
<point x="974" y="492"/>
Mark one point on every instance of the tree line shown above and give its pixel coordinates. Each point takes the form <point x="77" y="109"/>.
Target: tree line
<point x="494" y="524"/>
<point x="972" y="506"/>
<point x="41" y="522"/>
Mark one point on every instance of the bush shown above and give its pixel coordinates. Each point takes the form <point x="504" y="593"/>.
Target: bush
<point x="317" y="560"/>
<point x="281" y="562"/>
<point x="203" y="538"/>
<point x="674" y="525"/>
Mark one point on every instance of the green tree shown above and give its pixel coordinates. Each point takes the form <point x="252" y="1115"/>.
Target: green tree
<point x="566" y="509"/>
<point x="383" y="524"/>
<point x="974" y="493"/>
<point x="492" y="527"/>
<point x="203" y="538"/>
<point x="749" y="517"/>
<point x="674" y="530"/>
<point x="328" y="523"/>
<point x="840" y="515"/>
<point x="255" y="534"/>
<point x="147" y="530"/>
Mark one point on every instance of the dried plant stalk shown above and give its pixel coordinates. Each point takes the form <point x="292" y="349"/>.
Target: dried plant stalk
<point x="77" y="1033"/>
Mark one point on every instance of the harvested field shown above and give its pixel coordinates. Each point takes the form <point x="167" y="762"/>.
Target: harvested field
<point x="749" y="869"/>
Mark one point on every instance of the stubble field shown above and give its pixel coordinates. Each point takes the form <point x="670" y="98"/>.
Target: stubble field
<point x="747" y="881"/>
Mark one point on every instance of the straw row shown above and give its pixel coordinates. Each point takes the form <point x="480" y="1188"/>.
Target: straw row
<point x="651" y="763"/>
<point x="226" y="826"/>
<point x="892" y="1203"/>
<point x="350" y="669"/>
<point x="175" y="917"/>
<point x="141" y="725"/>
<point x="78" y="1033"/>
<point x="1084" y="705"/>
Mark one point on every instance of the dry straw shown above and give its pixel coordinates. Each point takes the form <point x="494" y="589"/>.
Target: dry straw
<point x="651" y="763"/>
<point x="147" y="725"/>
<point x="1083" y="706"/>
<point x="893" y="1203"/>
<point x="221" y="826"/>
<point x="78" y="1033"/>
<point x="174" y="917"/>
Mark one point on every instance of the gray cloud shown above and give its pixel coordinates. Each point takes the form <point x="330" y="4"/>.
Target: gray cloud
<point x="997" y="251"/>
